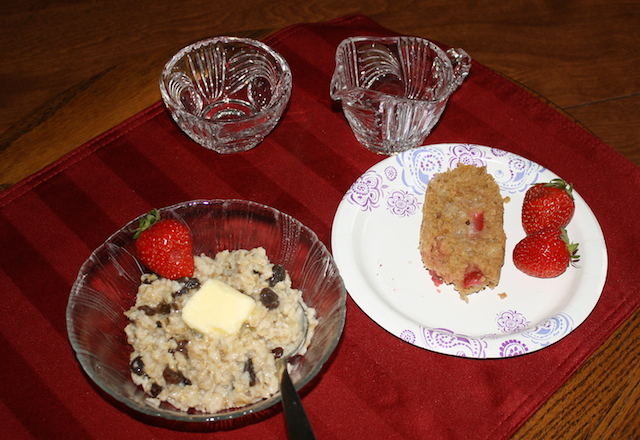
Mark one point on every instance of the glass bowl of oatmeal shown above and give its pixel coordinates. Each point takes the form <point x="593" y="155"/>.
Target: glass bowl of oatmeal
<point x="125" y="323"/>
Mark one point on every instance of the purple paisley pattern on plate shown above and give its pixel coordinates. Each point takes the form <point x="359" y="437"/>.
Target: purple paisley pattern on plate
<point x="513" y="173"/>
<point x="367" y="191"/>
<point x="391" y="173"/>
<point x="417" y="166"/>
<point x="468" y="155"/>
<point x="498" y="152"/>
<point x="550" y="330"/>
<point x="446" y="341"/>
<point x="511" y="321"/>
<point x="408" y="336"/>
<point x="402" y="203"/>
<point x="513" y="347"/>
<point x="516" y="174"/>
<point x="393" y="192"/>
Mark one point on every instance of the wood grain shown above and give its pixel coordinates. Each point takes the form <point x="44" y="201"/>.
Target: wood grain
<point x="73" y="69"/>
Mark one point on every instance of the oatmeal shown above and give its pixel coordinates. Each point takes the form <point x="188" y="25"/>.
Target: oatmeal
<point x="214" y="371"/>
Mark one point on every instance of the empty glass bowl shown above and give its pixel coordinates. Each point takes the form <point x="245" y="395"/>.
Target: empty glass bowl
<point x="226" y="93"/>
<point x="394" y="89"/>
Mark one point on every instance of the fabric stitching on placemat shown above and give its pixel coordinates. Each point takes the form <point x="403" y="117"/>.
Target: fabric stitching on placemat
<point x="572" y="369"/>
<point x="71" y="158"/>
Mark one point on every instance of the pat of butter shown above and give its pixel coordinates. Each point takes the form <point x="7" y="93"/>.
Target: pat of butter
<point x="216" y="306"/>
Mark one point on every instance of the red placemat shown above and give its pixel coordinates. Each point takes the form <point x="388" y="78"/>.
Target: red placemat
<point x="376" y="386"/>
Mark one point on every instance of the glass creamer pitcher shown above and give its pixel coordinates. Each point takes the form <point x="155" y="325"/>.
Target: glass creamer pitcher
<point x="394" y="89"/>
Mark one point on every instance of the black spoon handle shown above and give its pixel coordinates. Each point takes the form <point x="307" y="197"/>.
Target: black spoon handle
<point x="295" y="417"/>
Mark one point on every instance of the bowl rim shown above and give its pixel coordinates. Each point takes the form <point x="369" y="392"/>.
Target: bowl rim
<point x="280" y="100"/>
<point x="339" y="93"/>
<point x="182" y="416"/>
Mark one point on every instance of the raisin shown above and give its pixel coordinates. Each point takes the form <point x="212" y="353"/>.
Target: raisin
<point x="180" y="292"/>
<point x="158" y="324"/>
<point x="269" y="299"/>
<point x="278" y="274"/>
<point x="192" y="283"/>
<point x="148" y="310"/>
<point x="163" y="308"/>
<point x="175" y="377"/>
<point x="188" y="284"/>
<point x="277" y="352"/>
<point x="248" y="367"/>
<point x="137" y="366"/>
<point x="155" y="390"/>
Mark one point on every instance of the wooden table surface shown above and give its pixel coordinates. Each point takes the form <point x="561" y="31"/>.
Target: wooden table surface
<point x="73" y="69"/>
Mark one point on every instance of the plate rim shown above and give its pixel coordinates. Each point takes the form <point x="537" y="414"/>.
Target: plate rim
<point x="342" y="225"/>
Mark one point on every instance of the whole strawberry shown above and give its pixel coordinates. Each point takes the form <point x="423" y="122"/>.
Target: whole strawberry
<point x="165" y="246"/>
<point x="545" y="254"/>
<point x="547" y="205"/>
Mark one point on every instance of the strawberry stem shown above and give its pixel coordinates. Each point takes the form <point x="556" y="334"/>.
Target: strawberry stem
<point x="572" y="247"/>
<point x="561" y="184"/>
<point x="145" y="223"/>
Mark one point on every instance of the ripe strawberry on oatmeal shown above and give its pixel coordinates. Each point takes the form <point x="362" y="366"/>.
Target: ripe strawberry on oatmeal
<point x="165" y="246"/>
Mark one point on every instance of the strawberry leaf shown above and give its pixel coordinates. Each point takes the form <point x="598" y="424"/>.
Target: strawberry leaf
<point x="145" y="223"/>
<point x="561" y="184"/>
<point x="572" y="247"/>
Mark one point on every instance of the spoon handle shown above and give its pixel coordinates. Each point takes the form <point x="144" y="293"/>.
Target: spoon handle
<point x="295" y="417"/>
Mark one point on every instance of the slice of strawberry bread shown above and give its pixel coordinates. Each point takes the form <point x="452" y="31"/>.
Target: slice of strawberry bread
<point x="462" y="239"/>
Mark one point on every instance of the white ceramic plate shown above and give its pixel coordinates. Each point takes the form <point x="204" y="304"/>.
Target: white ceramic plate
<point x="375" y="244"/>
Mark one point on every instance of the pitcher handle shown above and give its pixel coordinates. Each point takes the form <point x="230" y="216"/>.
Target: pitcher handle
<point x="461" y="62"/>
